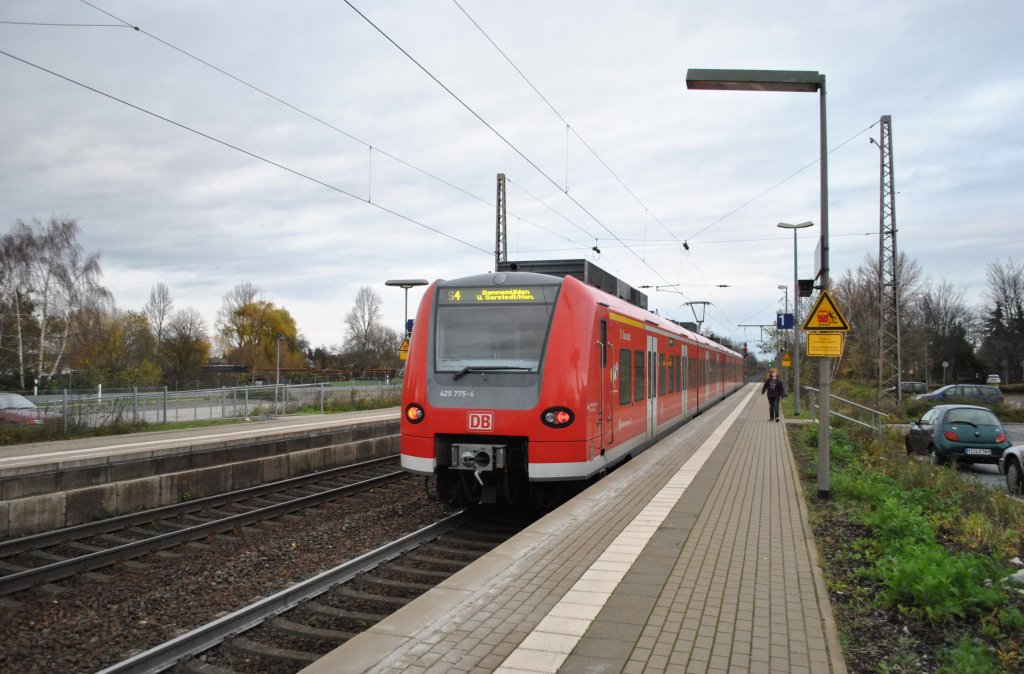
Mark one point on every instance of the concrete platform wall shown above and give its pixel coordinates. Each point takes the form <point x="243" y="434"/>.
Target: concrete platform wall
<point x="71" y="493"/>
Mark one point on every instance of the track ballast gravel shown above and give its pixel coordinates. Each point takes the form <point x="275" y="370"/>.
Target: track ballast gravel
<point x="88" y="623"/>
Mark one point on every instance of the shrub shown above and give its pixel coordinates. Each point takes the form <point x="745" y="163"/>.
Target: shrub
<point x="969" y="657"/>
<point x="924" y="579"/>
<point x="895" y="523"/>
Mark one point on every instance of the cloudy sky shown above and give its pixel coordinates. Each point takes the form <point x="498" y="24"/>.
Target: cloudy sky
<point x="318" y="146"/>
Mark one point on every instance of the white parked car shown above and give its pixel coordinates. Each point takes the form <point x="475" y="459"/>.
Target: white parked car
<point x="993" y="379"/>
<point x="1011" y="464"/>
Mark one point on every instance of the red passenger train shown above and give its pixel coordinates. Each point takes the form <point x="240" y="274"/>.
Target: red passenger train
<point x="519" y="384"/>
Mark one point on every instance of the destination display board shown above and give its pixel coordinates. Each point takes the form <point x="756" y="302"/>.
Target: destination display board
<point x="496" y="295"/>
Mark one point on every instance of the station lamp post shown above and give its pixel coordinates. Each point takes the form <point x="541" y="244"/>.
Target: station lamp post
<point x="405" y="284"/>
<point x="804" y="81"/>
<point x="796" y="317"/>
<point x="783" y="340"/>
<point x="277" y="371"/>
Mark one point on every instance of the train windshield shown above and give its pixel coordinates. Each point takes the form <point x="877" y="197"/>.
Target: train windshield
<point x="493" y="329"/>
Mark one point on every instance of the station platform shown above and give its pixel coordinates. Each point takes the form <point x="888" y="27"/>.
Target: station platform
<point x="696" y="556"/>
<point x="62" y="483"/>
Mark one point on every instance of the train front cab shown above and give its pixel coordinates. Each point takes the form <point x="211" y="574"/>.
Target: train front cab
<point x="612" y="379"/>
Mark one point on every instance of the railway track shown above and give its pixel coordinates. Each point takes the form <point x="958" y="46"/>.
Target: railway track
<point x="32" y="561"/>
<point x="293" y="628"/>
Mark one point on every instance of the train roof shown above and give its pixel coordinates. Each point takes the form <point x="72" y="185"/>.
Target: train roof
<point x="490" y="278"/>
<point x="627" y="309"/>
<point x="618" y="304"/>
<point x="581" y="270"/>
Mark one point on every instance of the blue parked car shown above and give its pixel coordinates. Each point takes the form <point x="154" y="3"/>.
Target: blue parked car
<point x="960" y="433"/>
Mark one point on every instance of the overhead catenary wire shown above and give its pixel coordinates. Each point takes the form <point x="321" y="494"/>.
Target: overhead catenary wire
<point x="64" y="25"/>
<point x="291" y="106"/>
<point x="370" y="147"/>
<point x="497" y="133"/>
<point x="621" y="241"/>
<point x="778" y="184"/>
<point x="569" y="127"/>
<point x="244" y="151"/>
<point x="615" y="237"/>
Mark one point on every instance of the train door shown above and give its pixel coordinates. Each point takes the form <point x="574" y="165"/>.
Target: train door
<point x="652" y="385"/>
<point x="707" y="375"/>
<point x="609" y="382"/>
<point x="686" y="379"/>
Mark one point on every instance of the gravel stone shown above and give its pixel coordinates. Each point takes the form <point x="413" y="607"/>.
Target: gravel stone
<point x="91" y="622"/>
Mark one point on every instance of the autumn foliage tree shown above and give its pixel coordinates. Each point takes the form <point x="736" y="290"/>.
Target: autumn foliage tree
<point x="114" y="348"/>
<point x="249" y="328"/>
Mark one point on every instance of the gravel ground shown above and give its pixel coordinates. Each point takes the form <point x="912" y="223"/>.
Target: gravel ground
<point x="87" y="624"/>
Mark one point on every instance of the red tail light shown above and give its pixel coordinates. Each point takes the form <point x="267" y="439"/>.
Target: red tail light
<point x="557" y="417"/>
<point x="414" y="413"/>
<point x="951" y="436"/>
<point x="1001" y="437"/>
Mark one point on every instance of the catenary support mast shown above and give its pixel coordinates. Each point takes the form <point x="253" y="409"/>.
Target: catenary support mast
<point x="889" y="362"/>
<point x="501" y="225"/>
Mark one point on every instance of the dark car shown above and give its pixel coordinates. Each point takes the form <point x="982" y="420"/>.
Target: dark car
<point x="17" y="409"/>
<point x="976" y="393"/>
<point x="961" y="433"/>
<point x="910" y="387"/>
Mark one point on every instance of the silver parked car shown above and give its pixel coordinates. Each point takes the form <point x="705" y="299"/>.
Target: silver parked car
<point x="1010" y="465"/>
<point x="17" y="409"/>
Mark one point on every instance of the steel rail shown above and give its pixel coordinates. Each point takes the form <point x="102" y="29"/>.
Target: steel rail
<point x="166" y="655"/>
<point x="45" y="539"/>
<point x="29" y="578"/>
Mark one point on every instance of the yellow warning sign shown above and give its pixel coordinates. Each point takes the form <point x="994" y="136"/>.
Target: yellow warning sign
<point x="825" y="344"/>
<point x="785" y="360"/>
<point x="825" y="316"/>
<point x="403" y="351"/>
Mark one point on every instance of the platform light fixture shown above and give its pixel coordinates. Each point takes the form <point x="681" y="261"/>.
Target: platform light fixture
<point x="802" y="81"/>
<point x="405" y="284"/>
<point x="796" y="316"/>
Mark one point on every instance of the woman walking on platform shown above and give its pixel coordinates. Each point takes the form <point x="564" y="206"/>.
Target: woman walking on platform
<point x="776" y="391"/>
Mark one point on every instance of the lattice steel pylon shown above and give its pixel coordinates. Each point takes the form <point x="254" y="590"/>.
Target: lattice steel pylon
<point x="501" y="225"/>
<point x="889" y="362"/>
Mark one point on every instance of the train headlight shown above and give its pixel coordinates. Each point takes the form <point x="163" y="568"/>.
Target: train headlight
<point x="557" y="417"/>
<point x="414" y="413"/>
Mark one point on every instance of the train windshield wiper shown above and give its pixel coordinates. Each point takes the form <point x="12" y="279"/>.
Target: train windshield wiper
<point x="489" y="368"/>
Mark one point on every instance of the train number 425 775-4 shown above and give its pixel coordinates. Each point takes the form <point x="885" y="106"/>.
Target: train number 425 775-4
<point x="456" y="393"/>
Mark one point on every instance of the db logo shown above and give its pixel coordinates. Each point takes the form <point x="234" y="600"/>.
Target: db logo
<point x="481" y="421"/>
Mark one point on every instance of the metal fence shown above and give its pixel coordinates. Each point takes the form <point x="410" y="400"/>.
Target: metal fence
<point x="868" y="417"/>
<point x="164" y="406"/>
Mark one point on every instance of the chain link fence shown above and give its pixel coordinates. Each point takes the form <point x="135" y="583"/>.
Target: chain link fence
<point x="106" y="408"/>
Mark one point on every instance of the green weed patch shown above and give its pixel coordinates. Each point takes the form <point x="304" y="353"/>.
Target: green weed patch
<point x="916" y="546"/>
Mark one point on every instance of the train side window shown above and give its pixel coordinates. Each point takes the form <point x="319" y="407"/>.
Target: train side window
<point x="661" y="374"/>
<point x="625" y="376"/>
<point x="638" y="375"/>
<point x="678" y="374"/>
<point x="669" y="368"/>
